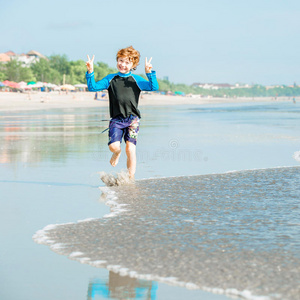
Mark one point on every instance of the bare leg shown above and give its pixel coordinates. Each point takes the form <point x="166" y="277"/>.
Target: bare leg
<point x="131" y="158"/>
<point x="115" y="148"/>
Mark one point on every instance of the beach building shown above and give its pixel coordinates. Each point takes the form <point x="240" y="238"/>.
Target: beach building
<point x="217" y="86"/>
<point x="269" y="87"/>
<point x="26" y="59"/>
<point x="11" y="54"/>
<point x="242" y="86"/>
<point x="4" y="58"/>
<point x="213" y="86"/>
<point x="36" y="55"/>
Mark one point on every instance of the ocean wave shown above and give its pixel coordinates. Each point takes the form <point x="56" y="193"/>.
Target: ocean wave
<point x="234" y="233"/>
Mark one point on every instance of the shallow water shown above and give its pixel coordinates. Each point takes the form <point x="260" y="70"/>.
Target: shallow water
<point x="49" y="165"/>
<point x="212" y="232"/>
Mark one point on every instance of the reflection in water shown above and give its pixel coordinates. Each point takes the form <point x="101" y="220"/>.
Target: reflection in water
<point x="121" y="287"/>
<point x="55" y="135"/>
<point x="50" y="135"/>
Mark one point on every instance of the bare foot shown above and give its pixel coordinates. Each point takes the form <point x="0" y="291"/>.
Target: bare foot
<point x="115" y="158"/>
<point x="131" y="177"/>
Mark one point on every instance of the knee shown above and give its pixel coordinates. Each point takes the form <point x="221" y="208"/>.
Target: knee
<point x="115" y="147"/>
<point x="130" y="148"/>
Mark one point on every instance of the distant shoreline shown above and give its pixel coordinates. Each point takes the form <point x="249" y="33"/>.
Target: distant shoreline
<point x="10" y="101"/>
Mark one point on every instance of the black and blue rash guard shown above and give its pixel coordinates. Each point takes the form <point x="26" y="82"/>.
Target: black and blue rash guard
<point x="123" y="90"/>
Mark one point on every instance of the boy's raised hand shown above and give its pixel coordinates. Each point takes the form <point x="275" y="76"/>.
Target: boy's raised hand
<point x="90" y="64"/>
<point x="148" y="66"/>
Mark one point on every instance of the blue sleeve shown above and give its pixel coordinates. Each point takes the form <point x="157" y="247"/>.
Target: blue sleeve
<point x="94" y="86"/>
<point x="145" y="85"/>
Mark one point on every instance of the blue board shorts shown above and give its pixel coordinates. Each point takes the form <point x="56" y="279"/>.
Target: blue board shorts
<point x="120" y="127"/>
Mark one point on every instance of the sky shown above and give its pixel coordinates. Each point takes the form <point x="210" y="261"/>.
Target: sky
<point x="215" y="41"/>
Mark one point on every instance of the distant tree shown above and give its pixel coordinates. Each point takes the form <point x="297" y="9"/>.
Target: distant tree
<point x="2" y="72"/>
<point x="55" y="77"/>
<point x="60" y="63"/>
<point x="77" y="72"/>
<point x="26" y="74"/>
<point x="2" y="76"/>
<point x="41" y="70"/>
<point x="164" y="86"/>
<point x="12" y="69"/>
<point x="101" y="70"/>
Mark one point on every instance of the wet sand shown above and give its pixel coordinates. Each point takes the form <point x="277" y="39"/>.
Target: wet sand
<point x="210" y="232"/>
<point x="41" y="100"/>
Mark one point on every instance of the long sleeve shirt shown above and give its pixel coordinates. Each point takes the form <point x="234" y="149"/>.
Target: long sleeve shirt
<point x="123" y="90"/>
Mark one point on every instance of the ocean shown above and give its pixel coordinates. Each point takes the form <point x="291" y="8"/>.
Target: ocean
<point x="213" y="214"/>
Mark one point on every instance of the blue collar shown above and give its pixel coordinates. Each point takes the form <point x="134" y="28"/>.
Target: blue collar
<point x="124" y="75"/>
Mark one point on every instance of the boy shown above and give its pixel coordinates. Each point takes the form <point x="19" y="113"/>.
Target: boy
<point x="124" y="89"/>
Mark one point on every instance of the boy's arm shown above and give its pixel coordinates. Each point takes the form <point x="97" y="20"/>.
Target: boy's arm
<point x="94" y="86"/>
<point x="145" y="85"/>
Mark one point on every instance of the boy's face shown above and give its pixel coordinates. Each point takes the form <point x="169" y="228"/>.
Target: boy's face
<point x="124" y="65"/>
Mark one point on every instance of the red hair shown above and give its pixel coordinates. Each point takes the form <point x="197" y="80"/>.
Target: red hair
<point x="130" y="53"/>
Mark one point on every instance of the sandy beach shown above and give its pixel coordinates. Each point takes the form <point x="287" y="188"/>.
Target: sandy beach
<point x="42" y="100"/>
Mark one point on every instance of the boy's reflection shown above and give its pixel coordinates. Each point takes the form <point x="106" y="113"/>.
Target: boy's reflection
<point x="121" y="287"/>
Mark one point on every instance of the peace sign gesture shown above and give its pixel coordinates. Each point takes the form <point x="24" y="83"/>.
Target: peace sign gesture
<point x="90" y="64"/>
<point x="148" y="66"/>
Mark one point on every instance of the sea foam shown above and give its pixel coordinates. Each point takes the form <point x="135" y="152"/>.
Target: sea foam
<point x="296" y="156"/>
<point x="222" y="233"/>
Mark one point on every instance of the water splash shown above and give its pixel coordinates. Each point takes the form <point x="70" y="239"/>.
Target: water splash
<point x="296" y="156"/>
<point x="121" y="178"/>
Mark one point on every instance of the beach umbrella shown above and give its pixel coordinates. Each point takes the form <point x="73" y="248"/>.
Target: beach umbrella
<point x="11" y="84"/>
<point x="31" y="82"/>
<point x="15" y="85"/>
<point x="22" y="84"/>
<point x="1" y="84"/>
<point x="6" y="82"/>
<point x="67" y="87"/>
<point x="51" y="85"/>
<point x="37" y="85"/>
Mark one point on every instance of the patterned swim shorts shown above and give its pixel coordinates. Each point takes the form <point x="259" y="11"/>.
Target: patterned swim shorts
<point x="120" y="127"/>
